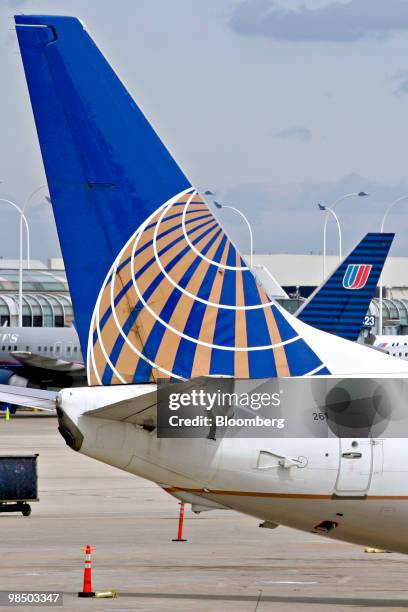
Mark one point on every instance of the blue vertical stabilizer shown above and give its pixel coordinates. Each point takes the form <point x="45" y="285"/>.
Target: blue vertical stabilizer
<point x="340" y="304"/>
<point x="158" y="289"/>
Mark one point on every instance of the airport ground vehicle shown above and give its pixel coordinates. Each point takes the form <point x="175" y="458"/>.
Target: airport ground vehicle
<point x="18" y="483"/>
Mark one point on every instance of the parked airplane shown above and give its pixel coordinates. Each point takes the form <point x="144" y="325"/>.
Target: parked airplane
<point x="40" y="356"/>
<point x="397" y="346"/>
<point x="340" y="305"/>
<point x="159" y="291"/>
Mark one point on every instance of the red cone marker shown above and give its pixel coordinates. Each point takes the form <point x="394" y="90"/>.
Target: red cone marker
<point x="87" y="590"/>
<point x="180" y="525"/>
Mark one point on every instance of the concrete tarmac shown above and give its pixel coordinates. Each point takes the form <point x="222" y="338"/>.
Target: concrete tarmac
<point x="228" y="563"/>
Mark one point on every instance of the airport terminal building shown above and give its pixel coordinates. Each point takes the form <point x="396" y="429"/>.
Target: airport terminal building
<point x="46" y="299"/>
<point x="47" y="302"/>
<point x="299" y="275"/>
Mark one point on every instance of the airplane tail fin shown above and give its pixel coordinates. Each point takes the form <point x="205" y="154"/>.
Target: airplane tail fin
<point x="106" y="168"/>
<point x="158" y="289"/>
<point x="339" y="305"/>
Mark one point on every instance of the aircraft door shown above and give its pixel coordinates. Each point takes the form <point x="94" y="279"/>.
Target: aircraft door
<point x="355" y="467"/>
<point x="57" y="349"/>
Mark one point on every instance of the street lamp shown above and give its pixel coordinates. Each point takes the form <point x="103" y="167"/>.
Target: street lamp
<point x="331" y="212"/>
<point x="26" y="202"/>
<point x="251" y="238"/>
<point x="360" y="194"/>
<point x="387" y="210"/>
<point x="20" y="268"/>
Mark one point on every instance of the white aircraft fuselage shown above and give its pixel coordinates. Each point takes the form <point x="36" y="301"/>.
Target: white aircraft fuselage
<point x="348" y="489"/>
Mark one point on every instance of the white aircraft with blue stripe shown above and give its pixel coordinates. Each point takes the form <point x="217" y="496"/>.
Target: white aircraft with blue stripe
<point x="159" y="291"/>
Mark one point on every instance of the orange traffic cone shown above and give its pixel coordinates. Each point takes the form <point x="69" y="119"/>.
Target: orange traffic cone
<point x="87" y="589"/>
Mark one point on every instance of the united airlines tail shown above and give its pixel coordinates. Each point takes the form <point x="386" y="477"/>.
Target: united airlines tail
<point x="340" y="304"/>
<point x="158" y="289"/>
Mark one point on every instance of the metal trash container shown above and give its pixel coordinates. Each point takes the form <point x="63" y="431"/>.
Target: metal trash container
<point x="18" y="483"/>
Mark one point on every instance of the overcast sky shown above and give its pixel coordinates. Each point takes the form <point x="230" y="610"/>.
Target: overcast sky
<point x="275" y="105"/>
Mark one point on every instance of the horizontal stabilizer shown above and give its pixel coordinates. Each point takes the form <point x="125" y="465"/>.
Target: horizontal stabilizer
<point x="139" y="410"/>
<point x="30" y="398"/>
<point x="142" y="409"/>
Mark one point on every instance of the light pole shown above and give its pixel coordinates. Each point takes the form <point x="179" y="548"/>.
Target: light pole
<point x="26" y="202"/>
<point x="387" y="210"/>
<point x="331" y="212"/>
<point x="251" y="238"/>
<point x="20" y="268"/>
<point x="332" y="207"/>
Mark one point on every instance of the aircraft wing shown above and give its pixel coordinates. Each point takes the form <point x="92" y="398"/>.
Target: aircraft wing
<point x="30" y="398"/>
<point x="48" y="363"/>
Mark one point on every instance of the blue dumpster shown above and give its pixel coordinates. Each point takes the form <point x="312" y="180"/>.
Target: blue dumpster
<point x="18" y="483"/>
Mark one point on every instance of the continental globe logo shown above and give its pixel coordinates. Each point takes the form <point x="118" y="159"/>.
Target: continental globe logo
<point x="179" y="302"/>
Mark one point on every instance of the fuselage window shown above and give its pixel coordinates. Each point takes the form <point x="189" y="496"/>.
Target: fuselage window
<point x="27" y="348"/>
<point x="45" y="349"/>
<point x="39" y="348"/>
<point x="9" y="348"/>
